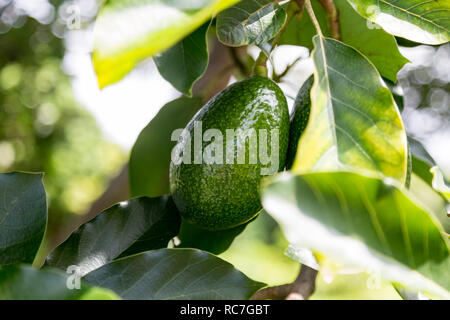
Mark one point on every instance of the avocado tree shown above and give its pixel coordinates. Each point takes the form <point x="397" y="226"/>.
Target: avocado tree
<point x="335" y="174"/>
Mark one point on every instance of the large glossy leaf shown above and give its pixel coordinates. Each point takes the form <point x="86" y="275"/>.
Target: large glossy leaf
<point x="424" y="21"/>
<point x="365" y="222"/>
<point x="354" y="122"/>
<point x="23" y="216"/>
<point x="126" y="228"/>
<point x="186" y="61"/>
<point x="150" y="156"/>
<point x="376" y="44"/>
<point x="174" y="274"/>
<point x="250" y="22"/>
<point x="128" y="31"/>
<point x="24" y="282"/>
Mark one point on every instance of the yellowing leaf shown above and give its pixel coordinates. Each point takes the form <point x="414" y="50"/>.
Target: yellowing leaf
<point x="128" y="31"/>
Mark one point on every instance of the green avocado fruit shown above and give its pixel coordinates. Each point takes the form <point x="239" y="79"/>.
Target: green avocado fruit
<point x="217" y="188"/>
<point x="299" y="119"/>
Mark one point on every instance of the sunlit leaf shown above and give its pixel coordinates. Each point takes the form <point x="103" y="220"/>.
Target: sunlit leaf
<point x="27" y="283"/>
<point x="424" y="21"/>
<point x="354" y="122"/>
<point x="23" y="216"/>
<point x="250" y="22"/>
<point x="376" y="44"/>
<point x="128" y="31"/>
<point x="365" y="222"/>
<point x="130" y="227"/>
<point x="174" y="274"/>
<point x="183" y="63"/>
<point x="150" y="156"/>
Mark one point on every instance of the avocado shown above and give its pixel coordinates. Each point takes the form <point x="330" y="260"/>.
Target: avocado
<point x="299" y="119"/>
<point x="217" y="188"/>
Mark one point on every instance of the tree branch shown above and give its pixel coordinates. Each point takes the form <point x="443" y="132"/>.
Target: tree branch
<point x="333" y="18"/>
<point x="277" y="77"/>
<point x="238" y="62"/>
<point x="301" y="289"/>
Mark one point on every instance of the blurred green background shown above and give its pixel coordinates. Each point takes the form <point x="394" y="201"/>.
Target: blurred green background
<point x="44" y="127"/>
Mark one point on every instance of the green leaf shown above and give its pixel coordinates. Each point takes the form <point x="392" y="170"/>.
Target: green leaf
<point x="24" y="282"/>
<point x="250" y="22"/>
<point x="128" y="31"/>
<point x="126" y="228"/>
<point x="23" y="216"/>
<point x="424" y="166"/>
<point x="185" y="62"/>
<point x="421" y="182"/>
<point x="174" y="274"/>
<point x="150" y="156"/>
<point x="424" y="21"/>
<point x="376" y="44"/>
<point x="421" y="160"/>
<point x="354" y="122"/>
<point x="439" y="182"/>
<point x="362" y="221"/>
<point x="214" y="242"/>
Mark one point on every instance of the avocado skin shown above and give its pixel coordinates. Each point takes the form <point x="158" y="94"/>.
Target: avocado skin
<point x="299" y="119"/>
<point x="221" y="196"/>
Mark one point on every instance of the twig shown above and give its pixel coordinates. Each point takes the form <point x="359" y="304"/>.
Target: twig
<point x="206" y="92"/>
<point x="333" y="18"/>
<point x="313" y="17"/>
<point x="301" y="289"/>
<point x="277" y="77"/>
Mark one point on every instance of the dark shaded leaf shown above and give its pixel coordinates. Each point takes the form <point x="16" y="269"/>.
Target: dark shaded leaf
<point x="27" y="283"/>
<point x="126" y="228"/>
<point x="151" y="154"/>
<point x="215" y="242"/>
<point x="23" y="216"/>
<point x="185" y="62"/>
<point x="422" y="162"/>
<point x="174" y="274"/>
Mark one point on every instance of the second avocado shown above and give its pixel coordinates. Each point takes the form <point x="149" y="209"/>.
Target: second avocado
<point x="214" y="195"/>
<point x="299" y="119"/>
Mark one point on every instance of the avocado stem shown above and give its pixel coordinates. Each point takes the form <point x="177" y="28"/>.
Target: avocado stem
<point x="260" y="66"/>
